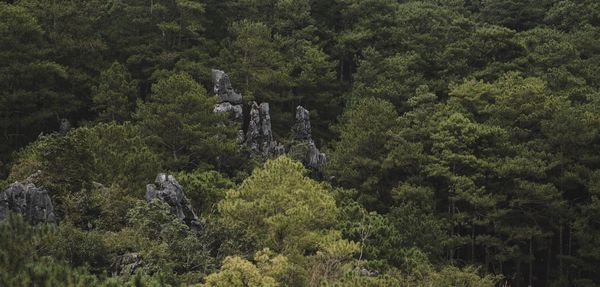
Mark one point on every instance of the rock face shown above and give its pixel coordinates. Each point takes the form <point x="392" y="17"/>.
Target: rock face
<point x="235" y="111"/>
<point x="259" y="137"/>
<point x="32" y="202"/>
<point x="168" y="190"/>
<point x="223" y="88"/>
<point x="312" y="158"/>
<point x="127" y="264"/>
<point x="302" y="130"/>
<point x="228" y="100"/>
<point x="65" y="126"/>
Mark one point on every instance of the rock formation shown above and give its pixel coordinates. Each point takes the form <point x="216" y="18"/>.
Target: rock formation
<point x="127" y="264"/>
<point x="228" y="100"/>
<point x="235" y="111"/>
<point x="312" y="157"/>
<point x="64" y="126"/>
<point x="259" y="137"/>
<point x="301" y="129"/>
<point x="168" y="190"/>
<point x="32" y="202"/>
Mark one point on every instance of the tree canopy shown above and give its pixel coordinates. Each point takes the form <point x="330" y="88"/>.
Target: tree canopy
<point x="460" y="142"/>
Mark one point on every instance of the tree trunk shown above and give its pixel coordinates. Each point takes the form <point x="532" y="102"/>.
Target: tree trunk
<point x="548" y="259"/>
<point x="570" y="248"/>
<point x="487" y="259"/>
<point x="560" y="250"/>
<point x="518" y="278"/>
<point x="472" y="242"/>
<point x="531" y="261"/>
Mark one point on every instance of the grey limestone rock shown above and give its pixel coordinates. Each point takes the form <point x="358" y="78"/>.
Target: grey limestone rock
<point x="167" y="189"/>
<point x="259" y="136"/>
<point x="228" y="100"/>
<point x="302" y="129"/>
<point x="127" y="264"/>
<point x="235" y="111"/>
<point x="32" y="202"/>
<point x="312" y="157"/>
<point x="223" y="88"/>
<point x="65" y="126"/>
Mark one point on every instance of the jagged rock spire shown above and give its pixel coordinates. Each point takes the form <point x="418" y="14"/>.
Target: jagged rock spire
<point x="259" y="136"/>
<point x="223" y="88"/>
<point x="312" y="157"/>
<point x="228" y="100"/>
<point x="302" y="130"/>
<point x="167" y="189"/>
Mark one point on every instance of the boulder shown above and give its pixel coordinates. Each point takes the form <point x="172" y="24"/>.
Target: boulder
<point x="167" y="189"/>
<point x="32" y="202"/>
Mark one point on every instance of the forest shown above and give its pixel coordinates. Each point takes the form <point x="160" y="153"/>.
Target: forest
<point x="423" y="143"/>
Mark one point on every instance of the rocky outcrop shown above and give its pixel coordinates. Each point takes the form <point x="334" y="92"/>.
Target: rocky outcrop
<point x="309" y="154"/>
<point x="32" y="202"/>
<point x="314" y="157"/>
<point x="301" y="129"/>
<point x="228" y="100"/>
<point x="362" y="271"/>
<point x="223" y="88"/>
<point x="167" y="189"/>
<point x="259" y="137"/>
<point x="235" y="112"/>
<point x="127" y="264"/>
<point x="65" y="126"/>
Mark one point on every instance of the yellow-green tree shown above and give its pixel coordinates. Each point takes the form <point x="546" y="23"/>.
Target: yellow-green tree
<point x="280" y="208"/>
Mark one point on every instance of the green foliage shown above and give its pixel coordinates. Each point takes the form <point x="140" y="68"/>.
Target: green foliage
<point x="267" y="269"/>
<point x="332" y="259"/>
<point x="178" y="121"/>
<point x="165" y="244"/>
<point x="204" y="189"/>
<point x="31" y="94"/>
<point x="280" y="208"/>
<point x="110" y="154"/>
<point x="77" y="247"/>
<point x="463" y="136"/>
<point x="47" y="272"/>
<point x="47" y="256"/>
<point x="121" y="156"/>
<point x="238" y="272"/>
<point x="258" y="63"/>
<point x="66" y="161"/>
<point x="393" y="79"/>
<point x="114" y="98"/>
<point x="519" y="15"/>
<point x="107" y="153"/>
<point x="358" y="157"/>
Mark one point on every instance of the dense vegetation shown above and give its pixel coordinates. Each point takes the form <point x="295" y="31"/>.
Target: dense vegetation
<point x="462" y="140"/>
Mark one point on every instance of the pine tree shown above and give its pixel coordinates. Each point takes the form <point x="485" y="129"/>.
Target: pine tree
<point x="178" y="122"/>
<point x="114" y="98"/>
